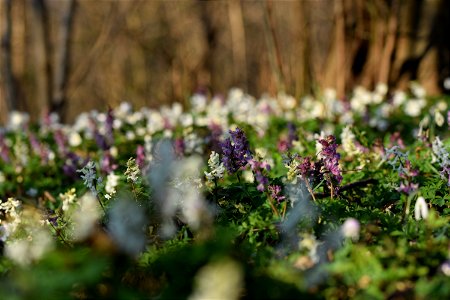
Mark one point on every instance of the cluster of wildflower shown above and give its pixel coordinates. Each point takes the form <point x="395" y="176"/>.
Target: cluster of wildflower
<point x="330" y="159"/>
<point x="236" y="151"/>
<point x="30" y="240"/>
<point x="276" y="193"/>
<point x="89" y="175"/>
<point x="327" y="167"/>
<point x="112" y="180"/>
<point x="217" y="168"/>
<point x="67" y="199"/>
<point x="399" y="162"/>
<point x="443" y="158"/>
<point x="10" y="217"/>
<point x="132" y="173"/>
<point x="348" y="142"/>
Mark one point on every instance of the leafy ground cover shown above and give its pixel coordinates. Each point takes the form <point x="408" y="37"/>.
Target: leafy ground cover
<point x="232" y="198"/>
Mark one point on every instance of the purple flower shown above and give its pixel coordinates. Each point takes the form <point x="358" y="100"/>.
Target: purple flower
<point x="275" y="193"/>
<point x="283" y="145"/>
<point x="448" y="118"/>
<point x="179" y="146"/>
<point x="258" y="169"/>
<point x="107" y="164"/>
<point x="100" y="140"/>
<point x="236" y="152"/>
<point x="38" y="148"/>
<point x="330" y="158"/>
<point x="292" y="133"/>
<point x="71" y="165"/>
<point x="60" y="141"/>
<point x="140" y="157"/>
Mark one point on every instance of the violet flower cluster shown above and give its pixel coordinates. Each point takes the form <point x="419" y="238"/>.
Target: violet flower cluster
<point x="276" y="193"/>
<point x="330" y="158"/>
<point x="327" y="167"/>
<point x="236" y="151"/>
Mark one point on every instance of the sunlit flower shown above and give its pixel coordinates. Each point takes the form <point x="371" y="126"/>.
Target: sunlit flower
<point x="132" y="173"/>
<point x="348" y="141"/>
<point x="112" y="180"/>
<point x="439" y="118"/>
<point x="17" y="120"/>
<point x="413" y="107"/>
<point x="216" y="167"/>
<point x="350" y="229"/>
<point x="236" y="151"/>
<point x="74" y="139"/>
<point x="31" y="242"/>
<point x="67" y="198"/>
<point x="420" y="209"/>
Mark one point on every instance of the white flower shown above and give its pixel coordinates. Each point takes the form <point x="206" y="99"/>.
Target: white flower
<point x="217" y="168"/>
<point x="248" y="176"/>
<point x="420" y="209"/>
<point x="417" y="90"/>
<point x="17" y="120"/>
<point x="67" y="198"/>
<point x="218" y="280"/>
<point x="447" y="83"/>
<point x="132" y="171"/>
<point x="348" y="141"/>
<point x="33" y="241"/>
<point x="439" y="118"/>
<point x="414" y="107"/>
<point x="112" y="180"/>
<point x="445" y="267"/>
<point x="399" y="98"/>
<point x="198" y="103"/>
<point x="74" y="139"/>
<point x="350" y="229"/>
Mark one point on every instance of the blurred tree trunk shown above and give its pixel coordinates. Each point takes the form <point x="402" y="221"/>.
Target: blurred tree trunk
<point x="6" y="67"/>
<point x="238" y="42"/>
<point x="42" y="54"/>
<point x="62" y="61"/>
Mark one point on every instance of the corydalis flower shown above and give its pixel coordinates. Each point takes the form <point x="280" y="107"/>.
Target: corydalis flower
<point x="258" y="168"/>
<point x="420" y="209"/>
<point x="132" y="171"/>
<point x="275" y="193"/>
<point x="112" y="180"/>
<point x="217" y="168"/>
<point x="443" y="158"/>
<point x="350" y="229"/>
<point x="67" y="198"/>
<point x="330" y="157"/>
<point x="236" y="152"/>
<point x="89" y="175"/>
<point x="400" y="163"/>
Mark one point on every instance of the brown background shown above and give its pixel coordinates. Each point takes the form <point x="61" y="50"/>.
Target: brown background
<point x="70" y="56"/>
